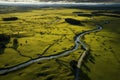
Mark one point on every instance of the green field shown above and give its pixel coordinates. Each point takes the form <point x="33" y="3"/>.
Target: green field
<point x="45" y="32"/>
<point x="104" y="62"/>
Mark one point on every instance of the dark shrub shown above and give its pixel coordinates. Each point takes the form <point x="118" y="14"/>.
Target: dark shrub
<point x="4" y="38"/>
<point x="73" y="21"/>
<point x="10" y="19"/>
<point x="73" y="64"/>
<point x="2" y="46"/>
<point x="15" y="43"/>
<point x="86" y="15"/>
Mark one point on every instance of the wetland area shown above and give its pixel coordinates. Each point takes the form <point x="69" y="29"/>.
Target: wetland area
<point x="59" y="42"/>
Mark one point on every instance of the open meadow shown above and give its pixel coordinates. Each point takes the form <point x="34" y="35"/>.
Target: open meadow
<point x="32" y="34"/>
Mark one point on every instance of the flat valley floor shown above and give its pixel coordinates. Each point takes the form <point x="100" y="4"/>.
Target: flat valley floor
<point x="27" y="35"/>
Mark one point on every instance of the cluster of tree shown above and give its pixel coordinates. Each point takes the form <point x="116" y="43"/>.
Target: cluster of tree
<point x="4" y="39"/>
<point x="10" y="19"/>
<point x="73" y="21"/>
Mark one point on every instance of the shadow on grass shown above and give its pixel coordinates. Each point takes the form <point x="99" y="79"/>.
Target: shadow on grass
<point x="89" y="57"/>
<point x="4" y="39"/>
<point x="2" y="48"/>
<point x="63" y="63"/>
<point x="106" y="13"/>
<point x="41" y="74"/>
<point x="73" y="21"/>
<point x="79" y="73"/>
<point x="15" y="43"/>
<point x="10" y="19"/>
<point x="86" y="67"/>
<point x="83" y="75"/>
<point x="100" y="13"/>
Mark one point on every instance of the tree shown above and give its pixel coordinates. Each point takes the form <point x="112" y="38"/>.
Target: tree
<point x="15" y="43"/>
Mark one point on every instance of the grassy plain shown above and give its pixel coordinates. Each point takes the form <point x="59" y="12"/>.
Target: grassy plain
<point x="44" y="32"/>
<point x="40" y="33"/>
<point x="104" y="61"/>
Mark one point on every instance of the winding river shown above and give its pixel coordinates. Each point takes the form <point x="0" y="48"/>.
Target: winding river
<point x="77" y="41"/>
<point x="86" y="49"/>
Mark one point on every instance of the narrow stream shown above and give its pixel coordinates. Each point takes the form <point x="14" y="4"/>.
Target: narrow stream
<point x="85" y="51"/>
<point x="77" y="42"/>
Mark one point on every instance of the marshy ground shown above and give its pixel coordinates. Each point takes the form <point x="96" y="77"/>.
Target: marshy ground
<point x="37" y="33"/>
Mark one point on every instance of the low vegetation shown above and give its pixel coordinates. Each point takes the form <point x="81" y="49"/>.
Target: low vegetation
<point x="73" y="21"/>
<point x="10" y="19"/>
<point x="49" y="31"/>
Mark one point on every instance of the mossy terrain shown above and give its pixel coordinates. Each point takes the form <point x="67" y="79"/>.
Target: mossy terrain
<point x="104" y="62"/>
<point x="46" y="32"/>
<point x="40" y="33"/>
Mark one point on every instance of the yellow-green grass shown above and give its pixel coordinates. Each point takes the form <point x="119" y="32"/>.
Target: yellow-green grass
<point x="42" y="28"/>
<point x="43" y="70"/>
<point x="46" y="29"/>
<point x="11" y="58"/>
<point x="104" y="47"/>
<point x="36" y="30"/>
